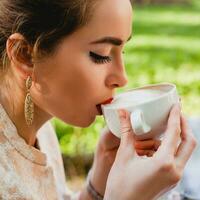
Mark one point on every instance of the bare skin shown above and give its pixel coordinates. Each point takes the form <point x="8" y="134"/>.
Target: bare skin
<point x="71" y="82"/>
<point x="148" y="179"/>
<point x="70" y="76"/>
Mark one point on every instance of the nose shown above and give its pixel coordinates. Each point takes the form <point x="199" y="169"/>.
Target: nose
<point x="117" y="77"/>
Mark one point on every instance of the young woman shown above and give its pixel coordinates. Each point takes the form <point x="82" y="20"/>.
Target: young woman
<point x="63" y="58"/>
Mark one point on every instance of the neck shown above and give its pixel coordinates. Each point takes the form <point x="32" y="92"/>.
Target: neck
<point x="15" y="111"/>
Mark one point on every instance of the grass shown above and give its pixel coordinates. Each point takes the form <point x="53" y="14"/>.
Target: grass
<point x="165" y="48"/>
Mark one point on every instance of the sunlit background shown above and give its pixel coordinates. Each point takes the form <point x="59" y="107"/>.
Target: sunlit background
<point x="165" y="47"/>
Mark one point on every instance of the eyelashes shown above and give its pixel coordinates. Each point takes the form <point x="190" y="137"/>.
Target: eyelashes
<point x="98" y="59"/>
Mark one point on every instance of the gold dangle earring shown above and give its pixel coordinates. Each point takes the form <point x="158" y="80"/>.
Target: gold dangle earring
<point x="28" y="106"/>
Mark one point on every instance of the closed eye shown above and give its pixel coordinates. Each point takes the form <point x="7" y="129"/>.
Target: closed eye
<point x="98" y="59"/>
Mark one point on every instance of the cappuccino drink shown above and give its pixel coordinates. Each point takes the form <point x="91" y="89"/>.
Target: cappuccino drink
<point x="149" y="108"/>
<point x="137" y="97"/>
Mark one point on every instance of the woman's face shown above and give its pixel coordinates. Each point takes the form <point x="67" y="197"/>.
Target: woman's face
<point x="87" y="66"/>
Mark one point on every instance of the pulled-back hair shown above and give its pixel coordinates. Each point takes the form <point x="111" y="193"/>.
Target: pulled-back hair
<point x="43" y="23"/>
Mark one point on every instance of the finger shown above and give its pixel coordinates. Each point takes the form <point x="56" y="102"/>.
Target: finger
<point x="187" y="145"/>
<point x="127" y="136"/>
<point x="148" y="153"/>
<point x="172" y="134"/>
<point x="109" y="140"/>
<point x="147" y="144"/>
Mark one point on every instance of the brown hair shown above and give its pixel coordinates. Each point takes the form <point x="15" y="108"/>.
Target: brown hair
<point x="43" y="23"/>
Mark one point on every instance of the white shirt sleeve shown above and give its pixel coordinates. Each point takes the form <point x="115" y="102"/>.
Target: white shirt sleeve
<point x="48" y="143"/>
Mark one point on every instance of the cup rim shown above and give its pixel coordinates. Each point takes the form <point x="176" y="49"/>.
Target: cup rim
<point x="173" y="88"/>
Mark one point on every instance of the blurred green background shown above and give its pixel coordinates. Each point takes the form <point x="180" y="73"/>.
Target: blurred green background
<point x="165" y="47"/>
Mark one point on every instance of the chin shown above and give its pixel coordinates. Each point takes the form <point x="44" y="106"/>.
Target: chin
<point x="85" y="124"/>
<point x="82" y="123"/>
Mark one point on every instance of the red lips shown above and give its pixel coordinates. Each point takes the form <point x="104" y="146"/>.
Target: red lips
<point x="98" y="106"/>
<point x="107" y="101"/>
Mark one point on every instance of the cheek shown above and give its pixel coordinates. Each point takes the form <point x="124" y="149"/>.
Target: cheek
<point x="83" y="80"/>
<point x="69" y="91"/>
<point x="73" y="105"/>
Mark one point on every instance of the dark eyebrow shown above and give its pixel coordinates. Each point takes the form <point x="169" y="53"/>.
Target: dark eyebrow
<point x="110" y="40"/>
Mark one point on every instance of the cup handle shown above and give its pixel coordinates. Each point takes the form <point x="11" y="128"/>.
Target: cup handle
<point x="138" y="123"/>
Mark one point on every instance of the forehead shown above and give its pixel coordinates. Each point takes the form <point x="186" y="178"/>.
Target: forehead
<point x="110" y="18"/>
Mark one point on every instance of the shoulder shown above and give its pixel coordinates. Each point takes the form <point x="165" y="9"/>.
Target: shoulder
<point x="6" y="161"/>
<point x="5" y="148"/>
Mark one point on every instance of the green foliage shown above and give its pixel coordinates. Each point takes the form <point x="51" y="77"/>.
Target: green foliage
<point x="165" y="48"/>
<point x="78" y="141"/>
<point x="196" y="3"/>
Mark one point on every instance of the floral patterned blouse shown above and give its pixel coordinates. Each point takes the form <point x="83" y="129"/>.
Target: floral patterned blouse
<point x="29" y="173"/>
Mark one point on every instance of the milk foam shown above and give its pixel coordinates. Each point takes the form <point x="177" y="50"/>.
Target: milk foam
<point x="136" y="97"/>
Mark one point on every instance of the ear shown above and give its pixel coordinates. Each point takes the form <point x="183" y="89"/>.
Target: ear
<point x="20" y="55"/>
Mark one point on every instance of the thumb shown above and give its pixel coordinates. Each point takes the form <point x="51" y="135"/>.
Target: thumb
<point x="127" y="135"/>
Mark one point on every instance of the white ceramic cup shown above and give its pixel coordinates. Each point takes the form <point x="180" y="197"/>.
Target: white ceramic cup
<point x="149" y="108"/>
